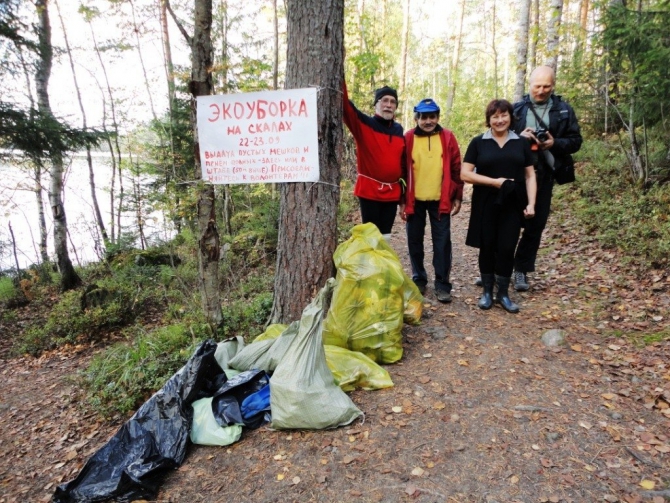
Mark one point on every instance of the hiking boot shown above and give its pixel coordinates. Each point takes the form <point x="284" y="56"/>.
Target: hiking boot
<point x="521" y="281"/>
<point x="443" y="296"/>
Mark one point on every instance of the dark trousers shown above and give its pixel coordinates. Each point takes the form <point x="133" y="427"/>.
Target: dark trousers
<point x="380" y="213"/>
<point x="440" y="230"/>
<point x="501" y="225"/>
<point x="529" y="244"/>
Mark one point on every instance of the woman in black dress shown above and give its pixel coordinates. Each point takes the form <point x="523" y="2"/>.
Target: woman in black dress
<point x="499" y="164"/>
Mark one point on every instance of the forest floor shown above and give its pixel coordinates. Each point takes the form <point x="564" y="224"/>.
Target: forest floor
<point x="481" y="410"/>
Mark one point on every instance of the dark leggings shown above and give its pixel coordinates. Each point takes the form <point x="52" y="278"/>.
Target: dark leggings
<point x="380" y="213"/>
<point x="501" y="225"/>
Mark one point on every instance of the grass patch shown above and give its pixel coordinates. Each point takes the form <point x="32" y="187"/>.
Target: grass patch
<point x="125" y="375"/>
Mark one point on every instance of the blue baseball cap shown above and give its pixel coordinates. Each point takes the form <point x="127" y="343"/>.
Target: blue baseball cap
<point x="427" y="105"/>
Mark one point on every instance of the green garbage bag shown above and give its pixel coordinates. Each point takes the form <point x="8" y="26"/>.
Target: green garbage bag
<point x="303" y="393"/>
<point x="206" y="431"/>
<point x="370" y="297"/>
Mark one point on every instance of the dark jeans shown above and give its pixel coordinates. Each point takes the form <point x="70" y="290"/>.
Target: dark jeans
<point x="529" y="244"/>
<point x="500" y="232"/>
<point x="440" y="230"/>
<point x="380" y="213"/>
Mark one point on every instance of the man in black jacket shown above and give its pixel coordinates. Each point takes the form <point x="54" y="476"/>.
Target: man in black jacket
<point x="551" y="126"/>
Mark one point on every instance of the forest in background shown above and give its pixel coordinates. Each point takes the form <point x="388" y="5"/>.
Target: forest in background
<point x="119" y="77"/>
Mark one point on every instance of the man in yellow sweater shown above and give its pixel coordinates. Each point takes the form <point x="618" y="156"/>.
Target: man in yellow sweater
<point x="434" y="188"/>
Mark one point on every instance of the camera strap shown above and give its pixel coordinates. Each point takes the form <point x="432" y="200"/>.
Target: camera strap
<point x="540" y="122"/>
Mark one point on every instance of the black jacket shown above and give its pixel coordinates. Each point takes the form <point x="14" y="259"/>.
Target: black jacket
<point x="563" y="127"/>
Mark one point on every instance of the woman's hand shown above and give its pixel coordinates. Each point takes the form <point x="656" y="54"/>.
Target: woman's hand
<point x="529" y="211"/>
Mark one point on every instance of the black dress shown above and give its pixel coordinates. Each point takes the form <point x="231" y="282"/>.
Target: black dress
<point x="508" y="161"/>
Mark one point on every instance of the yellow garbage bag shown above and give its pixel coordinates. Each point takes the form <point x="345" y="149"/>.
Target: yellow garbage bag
<point x="352" y="370"/>
<point x="370" y="297"/>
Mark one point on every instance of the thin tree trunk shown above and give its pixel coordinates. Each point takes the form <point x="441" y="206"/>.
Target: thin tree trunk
<point x="308" y="212"/>
<point x="534" y="34"/>
<point x="522" y="49"/>
<point x="553" y="33"/>
<point x="89" y="159"/>
<point x="69" y="277"/>
<point x="16" y="257"/>
<point x="403" y="64"/>
<point x="136" y="31"/>
<point x="455" y="58"/>
<point x="44" y="255"/>
<point x="495" y="50"/>
<point x="208" y="239"/>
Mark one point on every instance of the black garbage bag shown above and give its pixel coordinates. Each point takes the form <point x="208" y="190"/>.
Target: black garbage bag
<point x="227" y="401"/>
<point x="131" y="465"/>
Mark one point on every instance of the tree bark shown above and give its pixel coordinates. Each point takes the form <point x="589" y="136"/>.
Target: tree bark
<point x="69" y="278"/>
<point x="553" y="35"/>
<point x="522" y="49"/>
<point x="308" y="212"/>
<point x="44" y="255"/>
<point x="208" y="240"/>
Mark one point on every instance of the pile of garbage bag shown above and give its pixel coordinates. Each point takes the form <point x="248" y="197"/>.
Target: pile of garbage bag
<point x="286" y="377"/>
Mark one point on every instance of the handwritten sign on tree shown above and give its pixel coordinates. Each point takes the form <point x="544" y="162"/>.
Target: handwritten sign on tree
<point x="259" y="137"/>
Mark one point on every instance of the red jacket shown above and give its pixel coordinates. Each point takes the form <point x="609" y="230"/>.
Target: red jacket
<point x="379" y="153"/>
<point x="452" y="185"/>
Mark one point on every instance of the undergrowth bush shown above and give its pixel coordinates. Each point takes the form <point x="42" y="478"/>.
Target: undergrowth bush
<point x="7" y="289"/>
<point x="124" y="376"/>
<point x="618" y="212"/>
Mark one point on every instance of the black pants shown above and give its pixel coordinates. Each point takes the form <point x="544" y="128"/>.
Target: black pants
<point x="380" y="213"/>
<point x="529" y="244"/>
<point x="501" y="225"/>
<point x="440" y="231"/>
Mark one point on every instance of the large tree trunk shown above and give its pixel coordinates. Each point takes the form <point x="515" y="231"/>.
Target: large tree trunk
<point x="208" y="239"/>
<point x="308" y="212"/>
<point x="69" y="278"/>
<point x="553" y="35"/>
<point x="522" y="49"/>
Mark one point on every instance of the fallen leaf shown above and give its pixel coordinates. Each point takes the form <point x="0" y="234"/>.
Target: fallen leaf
<point x="576" y="347"/>
<point x="411" y="490"/>
<point x="584" y="424"/>
<point x="608" y="396"/>
<point x="418" y="472"/>
<point x="397" y="409"/>
<point x="71" y="455"/>
<point x="463" y="363"/>
<point x="647" y="484"/>
<point x="513" y="479"/>
<point x="424" y="379"/>
<point x="280" y="476"/>
<point x="439" y="405"/>
<point x="296" y="480"/>
<point x="348" y="459"/>
<point x="547" y="463"/>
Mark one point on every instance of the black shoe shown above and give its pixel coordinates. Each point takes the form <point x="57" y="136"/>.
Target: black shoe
<point x="478" y="281"/>
<point x="422" y="288"/>
<point x="521" y="281"/>
<point x="443" y="296"/>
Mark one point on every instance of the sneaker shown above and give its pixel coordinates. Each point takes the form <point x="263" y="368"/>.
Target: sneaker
<point x="521" y="281"/>
<point x="443" y="296"/>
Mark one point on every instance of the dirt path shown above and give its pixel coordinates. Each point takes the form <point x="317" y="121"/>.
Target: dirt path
<point x="488" y="413"/>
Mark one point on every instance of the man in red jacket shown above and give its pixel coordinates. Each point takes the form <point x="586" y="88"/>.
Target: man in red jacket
<point x="434" y="187"/>
<point x="380" y="158"/>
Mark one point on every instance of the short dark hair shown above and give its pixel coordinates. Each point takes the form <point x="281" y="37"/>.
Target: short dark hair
<point x="499" y="106"/>
<point x="419" y="115"/>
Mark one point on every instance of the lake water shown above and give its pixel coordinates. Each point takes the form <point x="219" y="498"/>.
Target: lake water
<point x="18" y="205"/>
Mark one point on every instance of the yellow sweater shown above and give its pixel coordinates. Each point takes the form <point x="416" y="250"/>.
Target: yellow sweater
<point x="427" y="157"/>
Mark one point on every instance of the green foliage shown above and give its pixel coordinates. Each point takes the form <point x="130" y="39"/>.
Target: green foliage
<point x="618" y="214"/>
<point x="638" y="48"/>
<point x="247" y="316"/>
<point x="7" y="289"/>
<point x="122" y="377"/>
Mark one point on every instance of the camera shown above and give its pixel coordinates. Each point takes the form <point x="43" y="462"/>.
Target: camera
<point x="541" y="135"/>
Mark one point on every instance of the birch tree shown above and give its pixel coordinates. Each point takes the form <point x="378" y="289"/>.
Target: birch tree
<point x="522" y="49"/>
<point x="553" y="35"/>
<point x="69" y="277"/>
<point x="308" y="212"/>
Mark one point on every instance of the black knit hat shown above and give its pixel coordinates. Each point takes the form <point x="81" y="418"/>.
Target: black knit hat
<point x="385" y="91"/>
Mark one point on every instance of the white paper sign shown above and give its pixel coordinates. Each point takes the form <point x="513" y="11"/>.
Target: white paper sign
<point x="259" y="137"/>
